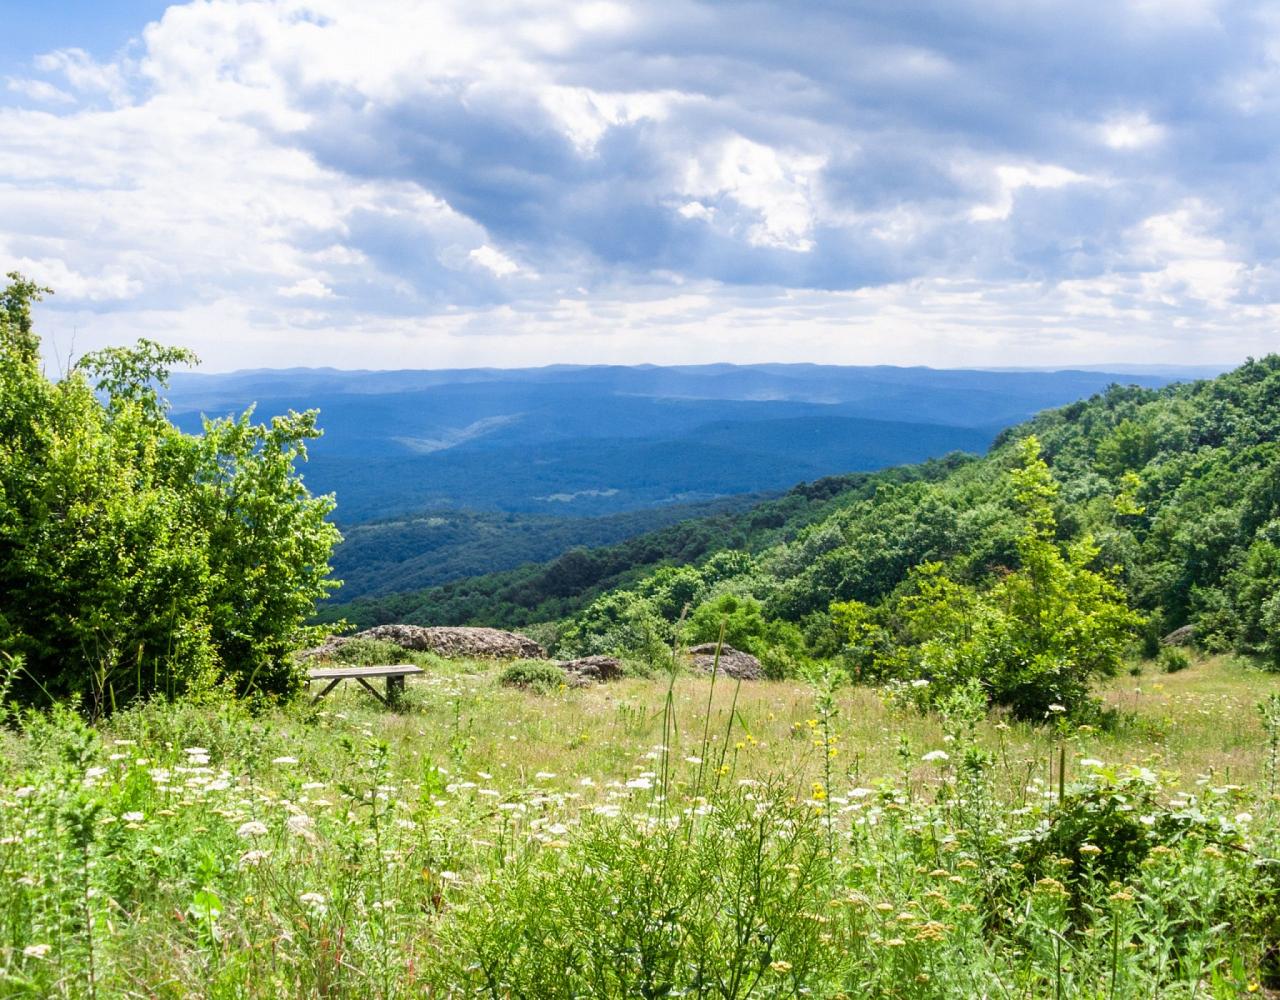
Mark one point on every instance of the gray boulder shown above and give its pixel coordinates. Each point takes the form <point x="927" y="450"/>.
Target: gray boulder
<point x="593" y="669"/>
<point x="482" y="643"/>
<point x="1180" y="636"/>
<point x="733" y="662"/>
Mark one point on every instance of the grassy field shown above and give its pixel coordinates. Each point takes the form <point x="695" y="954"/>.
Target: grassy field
<point x="644" y="839"/>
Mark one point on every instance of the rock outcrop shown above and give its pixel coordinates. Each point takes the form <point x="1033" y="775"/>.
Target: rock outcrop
<point x="1180" y="636"/>
<point x="733" y="662"/>
<point x="593" y="669"/>
<point x="482" y="643"/>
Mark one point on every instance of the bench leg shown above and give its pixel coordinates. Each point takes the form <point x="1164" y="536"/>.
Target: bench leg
<point x="395" y="690"/>
<point x="332" y="684"/>
<point x="371" y="689"/>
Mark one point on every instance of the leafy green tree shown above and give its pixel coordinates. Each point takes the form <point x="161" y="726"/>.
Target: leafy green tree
<point x="136" y="559"/>
<point x="1034" y="639"/>
<point x="621" y="623"/>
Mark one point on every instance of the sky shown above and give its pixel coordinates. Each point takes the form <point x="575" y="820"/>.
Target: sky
<point x="401" y="184"/>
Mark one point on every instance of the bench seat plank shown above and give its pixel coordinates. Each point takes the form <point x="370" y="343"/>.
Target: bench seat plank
<point x="341" y="673"/>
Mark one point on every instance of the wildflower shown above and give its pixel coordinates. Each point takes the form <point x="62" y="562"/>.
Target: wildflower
<point x="285" y="760"/>
<point x="1090" y="762"/>
<point x="780" y="966"/>
<point x="253" y="828"/>
<point x="819" y="792"/>
<point x="920" y="682"/>
<point x="1050" y="887"/>
<point x="36" y="950"/>
<point x="1056" y="709"/>
<point x="301" y="826"/>
<point x="251" y="859"/>
<point x="932" y="930"/>
<point x="934" y="755"/>
<point x="315" y="900"/>
<point x="1090" y="849"/>
<point x="133" y="817"/>
<point x="895" y="942"/>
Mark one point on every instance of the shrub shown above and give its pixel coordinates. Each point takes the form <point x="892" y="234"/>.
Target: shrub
<point x="136" y="559"/>
<point x="1172" y="659"/>
<point x="537" y="675"/>
<point x="622" y="623"/>
<point x="370" y="653"/>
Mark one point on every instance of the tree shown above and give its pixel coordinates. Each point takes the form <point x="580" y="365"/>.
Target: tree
<point x="1034" y="639"/>
<point x="136" y="559"/>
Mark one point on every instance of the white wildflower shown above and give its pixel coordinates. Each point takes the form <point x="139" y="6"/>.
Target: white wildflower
<point x="254" y="828"/>
<point x="934" y="755"/>
<point x="36" y="950"/>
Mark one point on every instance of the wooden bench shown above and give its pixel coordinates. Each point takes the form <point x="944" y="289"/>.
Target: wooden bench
<point x="394" y="674"/>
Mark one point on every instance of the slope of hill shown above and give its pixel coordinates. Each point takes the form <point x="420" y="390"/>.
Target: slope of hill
<point x="435" y="547"/>
<point x="565" y="585"/>
<point x="1180" y="488"/>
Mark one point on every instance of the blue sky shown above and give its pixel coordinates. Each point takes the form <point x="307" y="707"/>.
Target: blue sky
<point x="442" y="183"/>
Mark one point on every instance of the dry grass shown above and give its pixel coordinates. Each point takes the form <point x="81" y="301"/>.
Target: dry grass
<point x="1200" y="721"/>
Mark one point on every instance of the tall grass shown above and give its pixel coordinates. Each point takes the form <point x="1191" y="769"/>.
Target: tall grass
<point x="653" y="839"/>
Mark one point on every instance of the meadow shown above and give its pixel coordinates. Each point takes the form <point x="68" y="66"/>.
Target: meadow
<point x="653" y="837"/>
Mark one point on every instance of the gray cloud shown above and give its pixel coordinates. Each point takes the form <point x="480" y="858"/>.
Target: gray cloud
<point x="1093" y="168"/>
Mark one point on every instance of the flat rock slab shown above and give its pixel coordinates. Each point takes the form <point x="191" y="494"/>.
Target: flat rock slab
<point x="482" y="643"/>
<point x="733" y="662"/>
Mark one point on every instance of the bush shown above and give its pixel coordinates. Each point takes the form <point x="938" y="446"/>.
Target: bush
<point x="371" y="653"/>
<point x="1172" y="659"/>
<point x="536" y="675"/>
<point x="135" y="559"/>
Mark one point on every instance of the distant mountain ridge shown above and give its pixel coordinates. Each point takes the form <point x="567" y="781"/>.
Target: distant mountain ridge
<point x="586" y="441"/>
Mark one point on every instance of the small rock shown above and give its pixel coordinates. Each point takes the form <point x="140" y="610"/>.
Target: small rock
<point x="733" y="662"/>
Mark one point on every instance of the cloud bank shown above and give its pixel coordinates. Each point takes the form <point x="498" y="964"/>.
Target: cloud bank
<point x="404" y="184"/>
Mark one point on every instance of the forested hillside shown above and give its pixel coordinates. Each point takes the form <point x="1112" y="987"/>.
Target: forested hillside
<point x="1172" y="494"/>
<point x="565" y="585"/>
<point x="409" y="553"/>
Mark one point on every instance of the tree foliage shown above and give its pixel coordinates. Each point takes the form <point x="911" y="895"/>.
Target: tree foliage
<point x="136" y="559"/>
